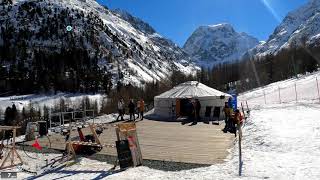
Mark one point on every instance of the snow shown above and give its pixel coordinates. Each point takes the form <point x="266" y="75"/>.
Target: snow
<point x="137" y="40"/>
<point x="218" y="44"/>
<point x="305" y="86"/>
<point x="280" y="141"/>
<point x="47" y="100"/>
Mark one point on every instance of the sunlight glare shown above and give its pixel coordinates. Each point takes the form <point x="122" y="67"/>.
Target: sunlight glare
<point x="268" y="5"/>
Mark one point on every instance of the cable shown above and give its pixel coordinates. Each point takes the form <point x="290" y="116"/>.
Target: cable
<point x="23" y="145"/>
<point x="26" y="152"/>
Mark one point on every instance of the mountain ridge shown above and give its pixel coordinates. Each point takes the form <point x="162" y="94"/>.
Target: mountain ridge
<point x="299" y="28"/>
<point x="217" y="44"/>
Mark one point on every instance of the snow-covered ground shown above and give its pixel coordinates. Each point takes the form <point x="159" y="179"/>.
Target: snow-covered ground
<point x="280" y="141"/>
<point x="301" y="89"/>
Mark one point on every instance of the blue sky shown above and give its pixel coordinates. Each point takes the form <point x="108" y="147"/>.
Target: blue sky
<point x="177" y="19"/>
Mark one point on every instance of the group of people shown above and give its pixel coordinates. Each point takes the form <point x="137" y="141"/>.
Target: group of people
<point x="134" y="108"/>
<point x="233" y="119"/>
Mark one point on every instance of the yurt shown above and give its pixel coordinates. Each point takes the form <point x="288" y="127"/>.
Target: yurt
<point x="173" y="102"/>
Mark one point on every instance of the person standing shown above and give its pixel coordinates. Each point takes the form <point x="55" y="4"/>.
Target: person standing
<point x="226" y="111"/>
<point x="141" y="108"/>
<point x="198" y="108"/>
<point x="237" y="121"/>
<point x="194" y="112"/>
<point x="190" y="110"/>
<point x="131" y="107"/>
<point x="120" y="109"/>
<point x="138" y="108"/>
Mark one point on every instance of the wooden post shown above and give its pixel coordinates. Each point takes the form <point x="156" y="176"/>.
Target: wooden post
<point x="295" y="89"/>
<point x="94" y="134"/>
<point x="265" y="99"/>
<point x="318" y="88"/>
<point x="70" y="147"/>
<point x="279" y="94"/>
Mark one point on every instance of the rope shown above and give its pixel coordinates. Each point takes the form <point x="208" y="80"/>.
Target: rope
<point x="26" y="152"/>
<point x="23" y="148"/>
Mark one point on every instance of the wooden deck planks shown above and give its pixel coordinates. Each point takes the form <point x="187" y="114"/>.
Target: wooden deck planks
<point x="168" y="141"/>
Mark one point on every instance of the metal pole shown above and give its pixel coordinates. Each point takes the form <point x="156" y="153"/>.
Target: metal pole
<point x="69" y="142"/>
<point x="240" y="151"/>
<point x="295" y="88"/>
<point x="244" y="114"/>
<point x="50" y="119"/>
<point x="247" y="105"/>
<point x="318" y="88"/>
<point x="265" y="99"/>
<point x="279" y="95"/>
<point x="93" y="116"/>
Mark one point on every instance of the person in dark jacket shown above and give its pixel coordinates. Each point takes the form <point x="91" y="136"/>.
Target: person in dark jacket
<point x="226" y="110"/>
<point x="131" y="107"/>
<point x="197" y="108"/>
<point x="190" y="110"/>
<point x="237" y="121"/>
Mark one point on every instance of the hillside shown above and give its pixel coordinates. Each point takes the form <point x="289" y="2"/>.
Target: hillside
<point x="299" y="28"/>
<point x="113" y="45"/>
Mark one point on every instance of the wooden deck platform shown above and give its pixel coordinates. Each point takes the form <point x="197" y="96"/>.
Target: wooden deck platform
<point x="167" y="141"/>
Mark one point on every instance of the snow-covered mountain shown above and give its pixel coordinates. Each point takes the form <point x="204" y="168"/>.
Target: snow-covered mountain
<point x="217" y="44"/>
<point x="301" y="26"/>
<point x="115" y="40"/>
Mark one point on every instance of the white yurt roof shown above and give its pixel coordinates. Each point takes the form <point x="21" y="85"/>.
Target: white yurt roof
<point x="191" y="89"/>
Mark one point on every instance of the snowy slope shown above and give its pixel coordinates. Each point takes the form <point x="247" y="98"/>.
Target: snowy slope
<point x="299" y="27"/>
<point x="120" y="42"/>
<point x="215" y="44"/>
<point x="303" y="89"/>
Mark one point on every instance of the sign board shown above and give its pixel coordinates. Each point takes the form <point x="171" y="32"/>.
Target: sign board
<point x="127" y="131"/>
<point x="234" y="102"/>
<point x="124" y="154"/>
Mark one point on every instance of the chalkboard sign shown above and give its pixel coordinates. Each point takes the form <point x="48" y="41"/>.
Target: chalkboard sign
<point x="124" y="154"/>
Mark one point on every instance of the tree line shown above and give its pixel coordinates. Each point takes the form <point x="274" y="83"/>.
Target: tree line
<point x="260" y="71"/>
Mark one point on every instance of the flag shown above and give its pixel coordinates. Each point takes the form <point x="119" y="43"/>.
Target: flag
<point x="36" y="145"/>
